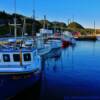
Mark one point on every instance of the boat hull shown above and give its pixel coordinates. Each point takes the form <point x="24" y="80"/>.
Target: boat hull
<point x="11" y="85"/>
<point x="55" y="44"/>
<point x="65" y="43"/>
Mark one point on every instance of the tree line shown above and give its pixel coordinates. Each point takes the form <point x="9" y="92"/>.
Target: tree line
<point x="6" y="19"/>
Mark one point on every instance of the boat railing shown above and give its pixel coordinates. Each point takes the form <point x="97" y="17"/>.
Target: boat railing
<point x="14" y="46"/>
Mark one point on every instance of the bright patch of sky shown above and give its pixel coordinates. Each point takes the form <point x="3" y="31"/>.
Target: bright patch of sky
<point x="81" y="11"/>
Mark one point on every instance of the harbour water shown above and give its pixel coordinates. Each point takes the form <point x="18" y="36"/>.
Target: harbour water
<point x="74" y="74"/>
<point x="70" y="74"/>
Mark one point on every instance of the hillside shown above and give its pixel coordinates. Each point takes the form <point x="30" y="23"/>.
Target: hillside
<point x="75" y="25"/>
<point x="6" y="19"/>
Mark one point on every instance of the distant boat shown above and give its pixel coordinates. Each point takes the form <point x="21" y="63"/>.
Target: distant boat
<point x="67" y="39"/>
<point x="50" y="39"/>
<point x="41" y="46"/>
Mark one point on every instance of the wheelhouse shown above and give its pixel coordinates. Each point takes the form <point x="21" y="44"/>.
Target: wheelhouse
<point x="14" y="58"/>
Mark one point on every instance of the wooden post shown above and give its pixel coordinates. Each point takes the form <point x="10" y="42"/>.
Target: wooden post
<point x="21" y="56"/>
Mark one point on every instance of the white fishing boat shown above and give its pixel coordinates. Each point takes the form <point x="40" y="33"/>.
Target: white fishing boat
<point x="20" y="66"/>
<point x="54" y="43"/>
<point x="42" y="47"/>
<point x="47" y="36"/>
<point x="46" y="49"/>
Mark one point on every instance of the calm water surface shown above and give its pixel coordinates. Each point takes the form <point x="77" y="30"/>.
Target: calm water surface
<point x="73" y="73"/>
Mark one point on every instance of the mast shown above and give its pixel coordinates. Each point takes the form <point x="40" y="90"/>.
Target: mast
<point x="15" y="32"/>
<point x="33" y="18"/>
<point x="15" y="23"/>
<point x="55" y="27"/>
<point x="61" y="29"/>
<point x="33" y="24"/>
<point x="15" y="28"/>
<point x="94" y="33"/>
<point x="44" y="24"/>
<point x="24" y="26"/>
<point x="68" y="21"/>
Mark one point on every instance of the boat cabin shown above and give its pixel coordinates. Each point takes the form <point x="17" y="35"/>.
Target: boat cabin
<point x="11" y="57"/>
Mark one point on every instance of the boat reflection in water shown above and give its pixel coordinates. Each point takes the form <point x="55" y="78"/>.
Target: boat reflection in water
<point x="55" y="53"/>
<point x="76" y="74"/>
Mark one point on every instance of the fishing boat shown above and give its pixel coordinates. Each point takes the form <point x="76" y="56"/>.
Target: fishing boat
<point x="42" y="47"/>
<point x="43" y="51"/>
<point x="49" y="38"/>
<point x="67" y="39"/>
<point x="20" y="66"/>
<point x="20" y="69"/>
<point x="54" y="43"/>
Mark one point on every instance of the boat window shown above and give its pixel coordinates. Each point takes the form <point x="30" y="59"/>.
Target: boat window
<point x="6" y="57"/>
<point x="16" y="57"/>
<point x="27" y="57"/>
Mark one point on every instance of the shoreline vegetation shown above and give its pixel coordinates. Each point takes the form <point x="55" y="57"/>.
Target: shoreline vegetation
<point x="7" y="30"/>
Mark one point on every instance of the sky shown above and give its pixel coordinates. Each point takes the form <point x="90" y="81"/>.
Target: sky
<point x="81" y="11"/>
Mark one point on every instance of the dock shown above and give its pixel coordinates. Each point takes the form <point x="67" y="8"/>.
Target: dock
<point x="86" y="38"/>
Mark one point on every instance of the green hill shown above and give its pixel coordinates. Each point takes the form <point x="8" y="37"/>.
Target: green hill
<point x="75" y="25"/>
<point x="6" y="18"/>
